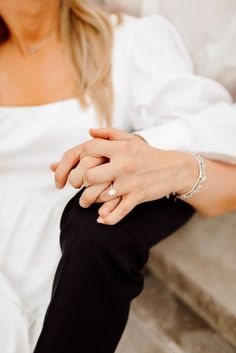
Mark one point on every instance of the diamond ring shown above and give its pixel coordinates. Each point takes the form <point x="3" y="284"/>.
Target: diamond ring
<point x="112" y="192"/>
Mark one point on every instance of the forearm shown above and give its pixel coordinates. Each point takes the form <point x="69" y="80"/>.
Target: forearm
<point x="218" y="195"/>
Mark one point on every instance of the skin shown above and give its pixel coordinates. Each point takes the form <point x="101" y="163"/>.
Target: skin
<point x="140" y="172"/>
<point x="30" y="23"/>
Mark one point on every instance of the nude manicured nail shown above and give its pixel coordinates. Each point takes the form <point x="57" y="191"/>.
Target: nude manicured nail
<point x="100" y="220"/>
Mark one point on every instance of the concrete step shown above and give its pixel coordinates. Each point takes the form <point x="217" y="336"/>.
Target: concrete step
<point x="199" y="264"/>
<point x="161" y="323"/>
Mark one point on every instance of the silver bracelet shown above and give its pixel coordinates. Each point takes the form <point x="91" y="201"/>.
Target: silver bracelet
<point x="200" y="181"/>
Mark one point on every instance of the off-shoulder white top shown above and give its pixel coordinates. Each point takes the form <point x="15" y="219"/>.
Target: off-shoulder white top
<point x="157" y="92"/>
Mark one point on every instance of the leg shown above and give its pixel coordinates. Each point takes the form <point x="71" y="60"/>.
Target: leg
<point x="99" y="274"/>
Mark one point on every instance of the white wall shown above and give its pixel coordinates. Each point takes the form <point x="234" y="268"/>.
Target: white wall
<point x="208" y="28"/>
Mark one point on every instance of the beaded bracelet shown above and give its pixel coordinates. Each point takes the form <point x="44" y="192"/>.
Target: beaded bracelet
<point x="199" y="183"/>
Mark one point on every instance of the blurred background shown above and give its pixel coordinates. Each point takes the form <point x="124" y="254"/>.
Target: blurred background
<point x="189" y="301"/>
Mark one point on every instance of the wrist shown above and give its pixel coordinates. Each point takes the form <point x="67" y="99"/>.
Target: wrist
<point x="189" y="172"/>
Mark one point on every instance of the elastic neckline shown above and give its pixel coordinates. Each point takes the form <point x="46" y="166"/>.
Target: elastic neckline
<point x="39" y="106"/>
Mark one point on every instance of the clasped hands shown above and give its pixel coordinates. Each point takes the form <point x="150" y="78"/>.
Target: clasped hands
<point x="138" y="171"/>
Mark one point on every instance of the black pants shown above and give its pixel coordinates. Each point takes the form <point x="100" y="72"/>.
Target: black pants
<point x="99" y="274"/>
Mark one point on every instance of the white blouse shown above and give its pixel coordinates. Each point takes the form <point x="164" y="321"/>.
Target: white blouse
<point x="208" y="28"/>
<point x="172" y="106"/>
<point x="156" y="92"/>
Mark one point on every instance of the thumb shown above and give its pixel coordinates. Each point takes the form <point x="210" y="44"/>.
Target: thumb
<point x="109" y="133"/>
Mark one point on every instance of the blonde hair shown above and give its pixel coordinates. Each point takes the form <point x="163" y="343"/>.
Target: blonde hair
<point x="87" y="34"/>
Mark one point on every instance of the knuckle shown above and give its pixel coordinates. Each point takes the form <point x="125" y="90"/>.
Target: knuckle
<point x="102" y="197"/>
<point x="86" y="199"/>
<point x="73" y="181"/>
<point x="129" y="167"/>
<point x="68" y="156"/>
<point x="87" y="147"/>
<point x="90" y="162"/>
<point x="90" y="195"/>
<point x="88" y="177"/>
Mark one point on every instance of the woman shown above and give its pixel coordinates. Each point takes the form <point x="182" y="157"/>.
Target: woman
<point x="52" y="53"/>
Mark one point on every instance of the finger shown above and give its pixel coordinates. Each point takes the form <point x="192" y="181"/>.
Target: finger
<point x="91" y="194"/>
<point x="99" y="147"/>
<point x="122" y="185"/>
<point x="108" y="207"/>
<point x="101" y="174"/>
<point x="111" y="134"/>
<point x="105" y="195"/>
<point x="69" y="160"/>
<point x="77" y="176"/>
<point x="126" y="205"/>
<point x="54" y="166"/>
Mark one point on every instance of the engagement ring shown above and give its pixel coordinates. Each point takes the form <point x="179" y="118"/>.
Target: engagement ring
<point x="112" y="192"/>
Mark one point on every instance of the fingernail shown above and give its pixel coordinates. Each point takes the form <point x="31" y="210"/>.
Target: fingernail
<point x="100" y="220"/>
<point x="83" y="205"/>
<point x="58" y="186"/>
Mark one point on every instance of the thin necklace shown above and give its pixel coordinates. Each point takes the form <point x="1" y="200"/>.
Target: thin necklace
<point x="34" y="49"/>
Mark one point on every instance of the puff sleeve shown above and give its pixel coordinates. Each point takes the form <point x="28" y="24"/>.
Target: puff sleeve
<point x="172" y="107"/>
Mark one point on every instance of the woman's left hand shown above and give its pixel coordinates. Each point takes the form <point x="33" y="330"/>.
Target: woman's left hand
<point x="139" y="172"/>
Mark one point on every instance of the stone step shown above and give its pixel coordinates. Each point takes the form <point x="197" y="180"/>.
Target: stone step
<point x="198" y="264"/>
<point x="161" y="323"/>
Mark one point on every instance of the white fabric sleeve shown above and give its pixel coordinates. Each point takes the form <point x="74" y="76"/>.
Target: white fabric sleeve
<point x="171" y="107"/>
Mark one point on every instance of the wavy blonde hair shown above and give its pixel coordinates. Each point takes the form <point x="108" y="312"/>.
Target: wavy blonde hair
<point x="87" y="34"/>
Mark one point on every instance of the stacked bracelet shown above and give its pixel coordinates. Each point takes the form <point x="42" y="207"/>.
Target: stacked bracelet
<point x="200" y="180"/>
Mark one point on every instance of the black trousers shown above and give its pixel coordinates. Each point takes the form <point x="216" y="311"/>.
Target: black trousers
<point x="99" y="274"/>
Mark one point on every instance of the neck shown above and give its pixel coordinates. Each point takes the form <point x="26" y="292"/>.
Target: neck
<point x="30" y="21"/>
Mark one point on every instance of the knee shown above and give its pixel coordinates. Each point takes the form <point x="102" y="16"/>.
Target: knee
<point x="81" y="224"/>
<point x="117" y="245"/>
<point x="75" y="219"/>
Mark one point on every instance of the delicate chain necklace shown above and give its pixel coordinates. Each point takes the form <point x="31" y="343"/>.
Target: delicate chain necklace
<point x="34" y="49"/>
